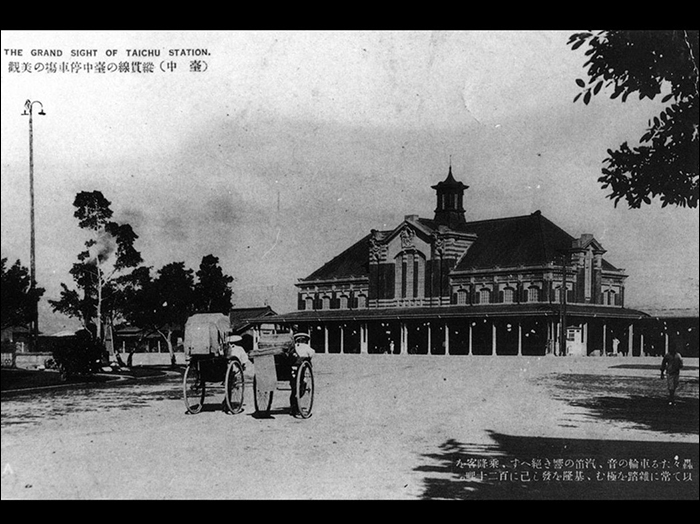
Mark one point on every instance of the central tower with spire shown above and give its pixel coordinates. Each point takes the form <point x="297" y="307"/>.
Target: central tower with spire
<point x="450" y="195"/>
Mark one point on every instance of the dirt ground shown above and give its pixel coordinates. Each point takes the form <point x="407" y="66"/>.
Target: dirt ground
<point x="383" y="427"/>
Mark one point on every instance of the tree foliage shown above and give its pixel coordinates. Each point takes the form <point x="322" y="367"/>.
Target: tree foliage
<point x="163" y="304"/>
<point x="648" y="63"/>
<point x="18" y="300"/>
<point x="213" y="292"/>
<point x="100" y="276"/>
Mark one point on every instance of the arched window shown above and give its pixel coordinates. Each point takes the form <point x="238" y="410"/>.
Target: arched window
<point x="508" y="294"/>
<point x="461" y="296"/>
<point x="409" y="275"/>
<point x="309" y="302"/>
<point x="609" y="297"/>
<point x="343" y="302"/>
<point x="484" y="296"/>
<point x="361" y="301"/>
<point x="326" y="303"/>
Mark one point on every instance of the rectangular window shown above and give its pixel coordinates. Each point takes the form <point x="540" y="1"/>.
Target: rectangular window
<point x="403" y="279"/>
<point x="415" y="276"/>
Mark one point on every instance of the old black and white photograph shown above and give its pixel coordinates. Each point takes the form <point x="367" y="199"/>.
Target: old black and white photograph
<point x="350" y="265"/>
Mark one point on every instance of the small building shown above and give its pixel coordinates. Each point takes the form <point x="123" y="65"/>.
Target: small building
<point x="250" y="322"/>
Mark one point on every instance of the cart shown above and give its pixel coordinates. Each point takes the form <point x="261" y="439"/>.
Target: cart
<point x="210" y="365"/>
<point x="276" y="364"/>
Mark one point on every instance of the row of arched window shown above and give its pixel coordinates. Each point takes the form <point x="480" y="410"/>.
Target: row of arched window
<point x="481" y="296"/>
<point x="531" y="294"/>
<point x="508" y="295"/>
<point x="339" y="302"/>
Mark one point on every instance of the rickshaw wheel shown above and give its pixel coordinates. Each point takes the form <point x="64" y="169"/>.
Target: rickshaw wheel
<point x="304" y="389"/>
<point x="266" y="399"/>
<point x="193" y="388"/>
<point x="234" y="386"/>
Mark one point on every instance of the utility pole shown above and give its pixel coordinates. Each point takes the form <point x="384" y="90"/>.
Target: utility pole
<point x="562" y="305"/>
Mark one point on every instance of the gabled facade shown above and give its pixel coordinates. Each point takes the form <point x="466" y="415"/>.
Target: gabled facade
<point x="444" y="276"/>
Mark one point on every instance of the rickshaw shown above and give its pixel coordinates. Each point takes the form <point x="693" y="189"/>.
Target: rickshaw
<point x="276" y="361"/>
<point x="212" y="363"/>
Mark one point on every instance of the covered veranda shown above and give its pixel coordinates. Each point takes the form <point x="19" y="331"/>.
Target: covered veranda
<point x="528" y="329"/>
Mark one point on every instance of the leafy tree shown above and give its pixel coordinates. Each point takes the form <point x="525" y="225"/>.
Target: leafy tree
<point x="162" y="304"/>
<point x="101" y="274"/>
<point x="18" y="300"/>
<point x="213" y="292"/>
<point x="648" y="63"/>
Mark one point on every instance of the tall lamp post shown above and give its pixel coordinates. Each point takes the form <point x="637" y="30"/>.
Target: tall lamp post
<point x="28" y="111"/>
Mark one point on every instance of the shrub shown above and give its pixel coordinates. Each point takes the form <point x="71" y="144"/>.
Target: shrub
<point x="78" y="356"/>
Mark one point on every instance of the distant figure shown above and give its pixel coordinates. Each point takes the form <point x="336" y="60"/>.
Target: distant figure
<point x="391" y="347"/>
<point x="671" y="366"/>
<point x="615" y="343"/>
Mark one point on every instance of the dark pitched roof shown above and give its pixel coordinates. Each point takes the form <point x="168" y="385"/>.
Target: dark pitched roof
<point x="528" y="240"/>
<point x="242" y="317"/>
<point x="353" y="262"/>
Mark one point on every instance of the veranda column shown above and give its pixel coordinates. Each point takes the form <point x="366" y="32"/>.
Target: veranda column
<point x="430" y="351"/>
<point x="605" y="342"/>
<point x="520" y="339"/>
<point x="342" y="341"/>
<point x="447" y="339"/>
<point x="585" y="336"/>
<point x="325" y="339"/>
<point x="641" y="345"/>
<point x="404" y="342"/>
<point x="630" y="342"/>
<point x="363" y="338"/>
<point x="469" y="331"/>
<point x="493" y="337"/>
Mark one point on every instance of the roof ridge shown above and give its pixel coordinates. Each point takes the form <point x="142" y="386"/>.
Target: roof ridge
<point x="338" y="256"/>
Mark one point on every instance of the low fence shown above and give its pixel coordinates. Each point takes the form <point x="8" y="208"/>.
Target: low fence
<point x="32" y="360"/>
<point x="38" y="360"/>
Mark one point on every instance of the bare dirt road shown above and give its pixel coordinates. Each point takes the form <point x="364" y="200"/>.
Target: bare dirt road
<point x="383" y="427"/>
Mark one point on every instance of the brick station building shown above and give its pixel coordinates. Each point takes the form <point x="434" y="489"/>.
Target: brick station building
<point x="448" y="286"/>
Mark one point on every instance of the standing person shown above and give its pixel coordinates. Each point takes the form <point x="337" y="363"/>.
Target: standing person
<point x="671" y="366"/>
<point x="234" y="350"/>
<point x="301" y="350"/>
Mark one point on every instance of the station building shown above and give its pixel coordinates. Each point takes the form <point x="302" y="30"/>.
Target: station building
<point x="445" y="285"/>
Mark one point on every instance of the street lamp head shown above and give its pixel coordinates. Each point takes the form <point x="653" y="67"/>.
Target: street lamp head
<point x="24" y="113"/>
<point x="42" y="112"/>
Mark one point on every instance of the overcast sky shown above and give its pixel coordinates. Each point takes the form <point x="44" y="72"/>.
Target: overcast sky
<point x="288" y="147"/>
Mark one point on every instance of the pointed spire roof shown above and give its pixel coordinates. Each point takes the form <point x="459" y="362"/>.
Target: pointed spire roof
<point x="450" y="182"/>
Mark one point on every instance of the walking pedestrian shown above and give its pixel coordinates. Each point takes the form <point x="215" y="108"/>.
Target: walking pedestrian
<point x="671" y="366"/>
